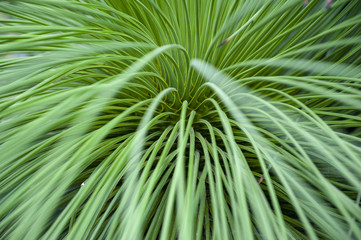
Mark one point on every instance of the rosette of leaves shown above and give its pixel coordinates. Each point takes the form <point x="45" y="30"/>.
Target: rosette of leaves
<point x="138" y="120"/>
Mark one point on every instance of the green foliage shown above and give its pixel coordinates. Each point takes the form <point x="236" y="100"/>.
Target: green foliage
<point x="136" y="119"/>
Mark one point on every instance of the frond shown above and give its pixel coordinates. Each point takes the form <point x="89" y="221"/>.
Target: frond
<point x="183" y="119"/>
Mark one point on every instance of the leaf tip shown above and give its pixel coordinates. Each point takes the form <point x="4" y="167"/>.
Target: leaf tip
<point x="328" y="4"/>
<point x="261" y="179"/>
<point x="305" y="3"/>
<point x="224" y="42"/>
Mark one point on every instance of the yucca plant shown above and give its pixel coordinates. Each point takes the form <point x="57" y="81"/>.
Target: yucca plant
<point x="181" y="119"/>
